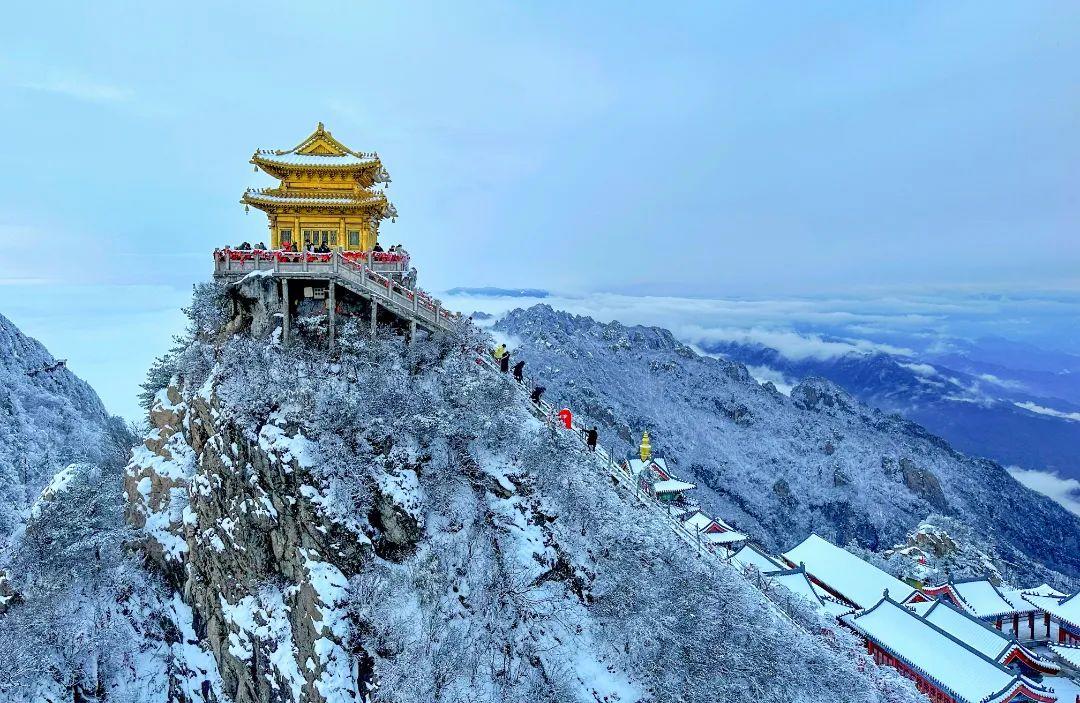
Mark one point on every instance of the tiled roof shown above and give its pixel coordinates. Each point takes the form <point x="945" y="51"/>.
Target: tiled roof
<point x="841" y="571"/>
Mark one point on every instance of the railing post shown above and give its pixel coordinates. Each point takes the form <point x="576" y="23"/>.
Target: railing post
<point x="228" y="261"/>
<point x="370" y="259"/>
<point x="305" y="262"/>
<point x="334" y="261"/>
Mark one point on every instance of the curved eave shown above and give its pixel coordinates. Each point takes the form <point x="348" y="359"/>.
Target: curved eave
<point x="267" y="163"/>
<point x="271" y="204"/>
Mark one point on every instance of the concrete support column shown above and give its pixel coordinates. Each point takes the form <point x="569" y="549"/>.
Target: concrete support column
<point x="374" y="316"/>
<point x="286" y="313"/>
<point x="412" y="331"/>
<point x="332" y="313"/>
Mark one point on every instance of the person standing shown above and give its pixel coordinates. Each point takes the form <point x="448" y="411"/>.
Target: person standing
<point x="519" y="372"/>
<point x="536" y="393"/>
<point x="591" y="436"/>
<point x="567" y="418"/>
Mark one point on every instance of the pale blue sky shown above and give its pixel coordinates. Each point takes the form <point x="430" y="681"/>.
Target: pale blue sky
<point x="710" y="149"/>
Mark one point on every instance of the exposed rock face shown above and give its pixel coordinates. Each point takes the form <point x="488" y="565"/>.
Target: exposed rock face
<point x="235" y="524"/>
<point x="924" y="484"/>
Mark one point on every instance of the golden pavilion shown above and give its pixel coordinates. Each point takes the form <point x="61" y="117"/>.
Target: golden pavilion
<point x="327" y="195"/>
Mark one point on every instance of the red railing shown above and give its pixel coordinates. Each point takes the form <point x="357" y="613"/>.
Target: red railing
<point x="382" y="257"/>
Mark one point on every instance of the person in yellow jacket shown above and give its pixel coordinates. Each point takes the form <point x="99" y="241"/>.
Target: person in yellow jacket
<point x="502" y="355"/>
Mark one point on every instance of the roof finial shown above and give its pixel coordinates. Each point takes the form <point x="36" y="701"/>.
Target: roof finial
<point x="320" y="128"/>
<point x="885" y="594"/>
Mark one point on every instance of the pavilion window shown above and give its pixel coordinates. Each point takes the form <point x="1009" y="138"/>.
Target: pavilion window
<point x="354" y="238"/>
<point x="286" y="236"/>
<point x="333" y="238"/>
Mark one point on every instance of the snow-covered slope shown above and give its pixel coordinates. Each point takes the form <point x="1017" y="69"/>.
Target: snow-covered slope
<point x="48" y="418"/>
<point x="982" y="413"/>
<point x="395" y="523"/>
<point x="781" y="467"/>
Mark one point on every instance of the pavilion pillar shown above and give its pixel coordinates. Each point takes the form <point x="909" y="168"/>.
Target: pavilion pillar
<point x="1046" y="620"/>
<point x="374" y="316"/>
<point x="1016" y="625"/>
<point x="286" y="322"/>
<point x="332" y="313"/>
<point x="997" y="623"/>
<point x="1031" y="623"/>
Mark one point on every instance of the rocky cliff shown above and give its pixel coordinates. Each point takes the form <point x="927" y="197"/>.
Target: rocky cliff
<point x="392" y="524"/>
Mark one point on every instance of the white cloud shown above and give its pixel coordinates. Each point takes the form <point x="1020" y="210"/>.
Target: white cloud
<point x="793" y="345"/>
<point x="78" y="87"/>
<point x="1003" y="382"/>
<point x="925" y="370"/>
<point x="1064" y="491"/>
<point x="763" y="374"/>
<point x="1042" y="410"/>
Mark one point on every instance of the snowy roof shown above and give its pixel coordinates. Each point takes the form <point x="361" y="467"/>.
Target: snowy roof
<point x="846" y="574"/>
<point x="699" y="521"/>
<point x="989" y="641"/>
<point x="1071" y="655"/>
<point x="752" y="556"/>
<point x="982" y="598"/>
<point x="340" y="160"/>
<point x="1064" y="609"/>
<point x="1017" y="594"/>
<point x="637" y="465"/>
<point x="672" y="486"/>
<point x="326" y="200"/>
<point x="950" y="664"/>
<point x="795" y="580"/>
<point x="729" y="537"/>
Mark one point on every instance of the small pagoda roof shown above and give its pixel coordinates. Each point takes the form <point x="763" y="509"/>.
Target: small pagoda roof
<point x="672" y="486"/>
<point x="844" y="573"/>
<point x="367" y="199"/>
<point x="319" y="151"/>
<point x="942" y="658"/>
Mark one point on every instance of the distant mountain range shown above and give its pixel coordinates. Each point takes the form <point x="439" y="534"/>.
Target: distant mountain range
<point x="491" y="292"/>
<point x="783" y="465"/>
<point x="1006" y="401"/>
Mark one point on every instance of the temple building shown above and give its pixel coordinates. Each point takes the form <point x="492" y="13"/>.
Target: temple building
<point x="944" y="667"/>
<point x="652" y="474"/>
<point x="982" y="599"/>
<point x="989" y="641"/>
<point x="326" y="195"/>
<point x="324" y="260"/>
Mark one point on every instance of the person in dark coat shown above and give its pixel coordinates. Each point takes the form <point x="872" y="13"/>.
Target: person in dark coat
<point x="504" y="363"/>
<point x="536" y="393"/>
<point x="590" y="438"/>
<point x="519" y="371"/>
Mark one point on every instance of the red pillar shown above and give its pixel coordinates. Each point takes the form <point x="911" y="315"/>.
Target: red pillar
<point x="1016" y="624"/>
<point x="1046" y="621"/>
<point x="997" y="623"/>
<point x="1031" y="623"/>
<point x="1061" y="634"/>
